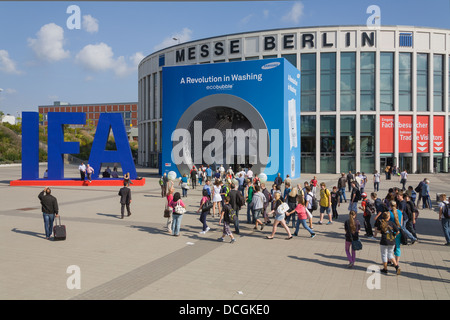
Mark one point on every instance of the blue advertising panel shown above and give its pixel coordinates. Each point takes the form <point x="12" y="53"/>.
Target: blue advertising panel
<point x="235" y="114"/>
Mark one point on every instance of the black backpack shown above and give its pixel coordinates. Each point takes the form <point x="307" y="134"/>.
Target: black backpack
<point x="357" y="194"/>
<point x="446" y="209"/>
<point x="313" y="203"/>
<point x="419" y="187"/>
<point x="370" y="208"/>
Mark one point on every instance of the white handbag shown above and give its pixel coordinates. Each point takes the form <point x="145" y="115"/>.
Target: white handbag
<point x="179" y="209"/>
<point x="282" y="208"/>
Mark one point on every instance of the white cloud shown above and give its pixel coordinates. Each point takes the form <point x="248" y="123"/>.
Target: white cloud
<point x="49" y="44"/>
<point x="137" y="58"/>
<point x="7" y="65"/>
<point x="10" y="91"/>
<point x="183" y="36"/>
<point x="96" y="57"/>
<point x="295" y="14"/>
<point x="100" y="57"/>
<point x="90" y="24"/>
<point x="266" y="13"/>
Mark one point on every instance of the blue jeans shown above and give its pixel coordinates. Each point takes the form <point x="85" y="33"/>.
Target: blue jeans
<point x="48" y="223"/>
<point x="303" y="222"/>
<point x="241" y="189"/>
<point x="176" y="223"/>
<point x="353" y="206"/>
<point x="184" y="192"/>
<point x="446" y="228"/>
<point x="250" y="213"/>
<point x="203" y="215"/>
<point x="342" y="194"/>
<point x="426" y="201"/>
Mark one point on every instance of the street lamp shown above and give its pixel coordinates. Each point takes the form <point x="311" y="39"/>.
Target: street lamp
<point x="176" y="39"/>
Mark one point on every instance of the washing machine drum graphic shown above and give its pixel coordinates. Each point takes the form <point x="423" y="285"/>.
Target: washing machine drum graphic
<point x="222" y="112"/>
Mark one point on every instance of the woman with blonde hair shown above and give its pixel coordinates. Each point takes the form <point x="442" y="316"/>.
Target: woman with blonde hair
<point x="280" y="208"/>
<point x="352" y="227"/>
<point x="396" y="216"/>
<point x="216" y="198"/>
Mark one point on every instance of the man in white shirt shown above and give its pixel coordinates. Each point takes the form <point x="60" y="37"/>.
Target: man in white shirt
<point x="403" y="179"/>
<point x="376" y="181"/>
<point x="250" y="173"/>
<point x="82" y="168"/>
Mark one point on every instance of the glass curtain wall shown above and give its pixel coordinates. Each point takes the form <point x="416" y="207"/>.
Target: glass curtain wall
<point x="308" y="143"/>
<point x="367" y="81"/>
<point x="328" y="81"/>
<point x="348" y="143"/>
<point x="367" y="144"/>
<point x="404" y="81"/>
<point x="422" y="82"/>
<point x="387" y="81"/>
<point x="348" y="81"/>
<point x="438" y="82"/>
<point x="308" y="82"/>
<point x="328" y="144"/>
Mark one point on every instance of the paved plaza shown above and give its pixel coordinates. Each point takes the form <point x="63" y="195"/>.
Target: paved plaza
<point x="135" y="258"/>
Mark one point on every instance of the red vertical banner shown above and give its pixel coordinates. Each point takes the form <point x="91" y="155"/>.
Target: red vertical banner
<point x="404" y="126"/>
<point x="438" y="134"/>
<point x="387" y="134"/>
<point x="422" y="134"/>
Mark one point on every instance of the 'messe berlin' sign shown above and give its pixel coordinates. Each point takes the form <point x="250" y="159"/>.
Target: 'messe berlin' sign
<point x="269" y="43"/>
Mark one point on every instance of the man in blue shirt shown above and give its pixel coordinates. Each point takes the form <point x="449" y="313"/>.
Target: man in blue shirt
<point x="208" y="173"/>
<point x="241" y="180"/>
<point x="207" y="187"/>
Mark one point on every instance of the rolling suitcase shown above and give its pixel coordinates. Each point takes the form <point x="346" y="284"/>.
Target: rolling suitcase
<point x="59" y="231"/>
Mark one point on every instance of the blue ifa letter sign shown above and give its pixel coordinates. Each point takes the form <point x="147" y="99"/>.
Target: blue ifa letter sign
<point x="57" y="147"/>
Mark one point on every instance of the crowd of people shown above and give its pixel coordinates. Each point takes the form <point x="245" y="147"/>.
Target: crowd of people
<point x="226" y="194"/>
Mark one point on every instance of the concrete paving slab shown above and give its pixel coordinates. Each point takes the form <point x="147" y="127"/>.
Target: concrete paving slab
<point x="136" y="259"/>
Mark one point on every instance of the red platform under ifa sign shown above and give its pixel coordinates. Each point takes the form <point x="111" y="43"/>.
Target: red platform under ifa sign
<point x="405" y="134"/>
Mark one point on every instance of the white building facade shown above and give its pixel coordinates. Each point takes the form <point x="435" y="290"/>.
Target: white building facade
<point x="369" y="97"/>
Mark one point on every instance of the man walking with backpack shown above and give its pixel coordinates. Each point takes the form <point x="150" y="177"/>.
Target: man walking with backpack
<point x="444" y="217"/>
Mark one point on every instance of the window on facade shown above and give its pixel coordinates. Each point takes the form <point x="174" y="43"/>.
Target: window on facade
<point x="328" y="144"/>
<point x="387" y="81"/>
<point x="348" y="143"/>
<point x="308" y="143"/>
<point x="438" y="82"/>
<point x="404" y="81"/>
<point x="328" y="81"/>
<point x="308" y="82"/>
<point x="348" y="81"/>
<point x="367" y="81"/>
<point x="367" y="143"/>
<point x="292" y="58"/>
<point x="422" y="82"/>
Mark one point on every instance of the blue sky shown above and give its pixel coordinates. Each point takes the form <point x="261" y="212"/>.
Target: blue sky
<point x="42" y="60"/>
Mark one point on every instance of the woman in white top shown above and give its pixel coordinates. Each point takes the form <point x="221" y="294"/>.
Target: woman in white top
<point x="216" y="198"/>
<point x="308" y="203"/>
